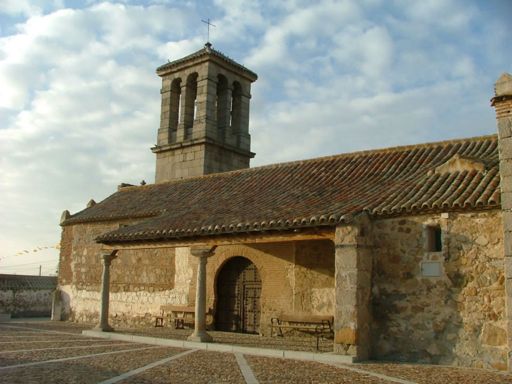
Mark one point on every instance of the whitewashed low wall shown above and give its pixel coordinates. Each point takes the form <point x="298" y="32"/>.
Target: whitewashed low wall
<point x="125" y="307"/>
<point x="26" y="303"/>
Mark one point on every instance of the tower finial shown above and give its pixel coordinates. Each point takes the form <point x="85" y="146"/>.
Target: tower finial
<point x="207" y="22"/>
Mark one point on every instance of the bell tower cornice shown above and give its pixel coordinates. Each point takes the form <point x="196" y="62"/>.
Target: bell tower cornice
<point x="206" y="54"/>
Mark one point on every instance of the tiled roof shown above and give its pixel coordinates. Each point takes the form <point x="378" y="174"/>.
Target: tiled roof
<point x="27" y="282"/>
<point x="309" y="193"/>
<point x="206" y="51"/>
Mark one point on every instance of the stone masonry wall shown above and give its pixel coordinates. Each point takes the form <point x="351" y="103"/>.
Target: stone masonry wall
<point x="180" y="163"/>
<point x="314" y="277"/>
<point x="456" y="318"/>
<point x="141" y="280"/>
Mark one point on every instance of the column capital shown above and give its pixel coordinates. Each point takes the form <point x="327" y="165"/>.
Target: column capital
<point x="203" y="252"/>
<point x="108" y="256"/>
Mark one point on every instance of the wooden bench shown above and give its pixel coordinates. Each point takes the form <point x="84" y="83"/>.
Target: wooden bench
<point x="179" y="315"/>
<point x="318" y="325"/>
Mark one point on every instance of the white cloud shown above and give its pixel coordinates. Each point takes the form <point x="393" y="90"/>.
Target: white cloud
<point x="85" y="113"/>
<point x="310" y="23"/>
<point x="443" y="13"/>
<point x="16" y="7"/>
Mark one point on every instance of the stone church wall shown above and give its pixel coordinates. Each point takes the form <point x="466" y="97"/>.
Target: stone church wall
<point x="456" y="318"/>
<point x="141" y="280"/>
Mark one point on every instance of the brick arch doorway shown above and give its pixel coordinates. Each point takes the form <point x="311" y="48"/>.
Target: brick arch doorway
<point x="238" y="288"/>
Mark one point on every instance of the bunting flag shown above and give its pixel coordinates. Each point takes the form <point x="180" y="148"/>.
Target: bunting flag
<point x="36" y="249"/>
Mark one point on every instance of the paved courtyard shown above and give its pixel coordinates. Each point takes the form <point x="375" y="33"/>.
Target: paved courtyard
<point x="49" y="352"/>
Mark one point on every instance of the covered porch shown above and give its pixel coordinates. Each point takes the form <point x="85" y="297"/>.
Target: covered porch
<point x="340" y="270"/>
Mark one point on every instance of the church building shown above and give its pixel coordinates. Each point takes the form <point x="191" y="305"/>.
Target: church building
<point x="408" y="248"/>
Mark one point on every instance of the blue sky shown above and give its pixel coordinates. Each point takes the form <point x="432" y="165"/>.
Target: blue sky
<point x="79" y="97"/>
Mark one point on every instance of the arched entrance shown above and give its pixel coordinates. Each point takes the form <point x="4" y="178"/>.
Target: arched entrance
<point x="238" y="297"/>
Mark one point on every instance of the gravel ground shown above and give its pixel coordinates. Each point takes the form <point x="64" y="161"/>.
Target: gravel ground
<point x="12" y="358"/>
<point x="434" y="374"/>
<point x="197" y="368"/>
<point x="86" y="371"/>
<point x="294" y="343"/>
<point x="15" y="346"/>
<point x="270" y="370"/>
<point x="27" y="339"/>
<point x="60" y="326"/>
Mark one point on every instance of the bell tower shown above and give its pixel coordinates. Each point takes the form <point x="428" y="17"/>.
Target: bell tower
<point x="204" y="123"/>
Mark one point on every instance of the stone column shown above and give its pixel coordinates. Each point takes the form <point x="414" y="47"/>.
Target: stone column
<point x="502" y="102"/>
<point x="206" y="123"/>
<point x="105" y="292"/>
<point x="353" y="279"/>
<point x="243" y="137"/>
<point x="56" y="305"/>
<point x="163" y="131"/>
<point x="180" y="132"/>
<point x="200" y="333"/>
<point x="225" y="116"/>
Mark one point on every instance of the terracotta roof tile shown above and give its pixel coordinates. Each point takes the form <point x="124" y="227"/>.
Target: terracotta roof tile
<point x="316" y="192"/>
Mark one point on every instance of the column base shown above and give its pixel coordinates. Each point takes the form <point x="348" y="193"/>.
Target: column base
<point x="200" y="337"/>
<point x="105" y="328"/>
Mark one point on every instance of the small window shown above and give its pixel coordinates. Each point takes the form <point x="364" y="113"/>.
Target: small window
<point x="433" y="238"/>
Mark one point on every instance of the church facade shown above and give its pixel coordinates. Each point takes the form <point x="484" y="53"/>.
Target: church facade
<point x="408" y="247"/>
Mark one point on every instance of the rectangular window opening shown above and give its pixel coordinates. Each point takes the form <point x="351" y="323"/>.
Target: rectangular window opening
<point x="433" y="238"/>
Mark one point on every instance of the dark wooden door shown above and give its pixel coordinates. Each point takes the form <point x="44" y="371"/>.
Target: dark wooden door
<point x="238" y="297"/>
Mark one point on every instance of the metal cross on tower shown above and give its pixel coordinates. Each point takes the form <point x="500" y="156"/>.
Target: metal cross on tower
<point x="207" y="21"/>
